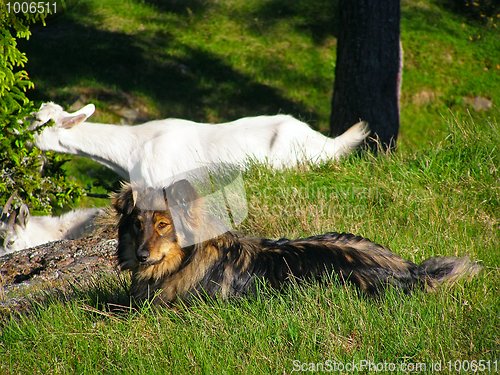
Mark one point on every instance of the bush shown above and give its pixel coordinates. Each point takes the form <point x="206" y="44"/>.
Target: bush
<point x="38" y="179"/>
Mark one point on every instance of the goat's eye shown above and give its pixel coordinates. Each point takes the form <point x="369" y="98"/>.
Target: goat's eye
<point x="161" y="225"/>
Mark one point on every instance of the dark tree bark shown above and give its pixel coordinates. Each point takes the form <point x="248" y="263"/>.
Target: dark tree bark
<point x="368" y="69"/>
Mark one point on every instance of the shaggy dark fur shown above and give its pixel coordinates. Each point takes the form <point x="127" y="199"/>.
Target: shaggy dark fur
<point x="227" y="265"/>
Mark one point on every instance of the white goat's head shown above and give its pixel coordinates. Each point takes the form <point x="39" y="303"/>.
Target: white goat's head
<point x="62" y="119"/>
<point x="12" y="227"/>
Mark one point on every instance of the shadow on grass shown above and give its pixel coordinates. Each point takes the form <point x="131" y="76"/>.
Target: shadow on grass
<point x="320" y="18"/>
<point x="427" y="20"/>
<point x="480" y="11"/>
<point x="181" y="7"/>
<point x="148" y="70"/>
<point x="100" y="294"/>
<point x="67" y="57"/>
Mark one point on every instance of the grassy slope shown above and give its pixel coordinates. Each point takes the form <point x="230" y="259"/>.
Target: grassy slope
<point x="216" y="61"/>
<point x="221" y="60"/>
<point x="441" y="201"/>
<point x="446" y="60"/>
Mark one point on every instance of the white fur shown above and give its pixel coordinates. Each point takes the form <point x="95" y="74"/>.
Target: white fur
<point x="176" y="146"/>
<point x="29" y="231"/>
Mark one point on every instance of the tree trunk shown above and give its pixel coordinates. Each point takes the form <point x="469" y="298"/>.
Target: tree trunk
<point x="368" y="69"/>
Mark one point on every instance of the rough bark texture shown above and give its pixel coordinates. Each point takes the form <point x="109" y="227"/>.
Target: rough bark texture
<point x="27" y="274"/>
<point x="367" y="72"/>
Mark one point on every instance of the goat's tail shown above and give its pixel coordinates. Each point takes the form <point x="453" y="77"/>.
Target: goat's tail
<point x="351" y="139"/>
<point x="447" y="270"/>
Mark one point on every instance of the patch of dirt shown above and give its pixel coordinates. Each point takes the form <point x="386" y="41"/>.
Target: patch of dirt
<point x="478" y="103"/>
<point x="424" y="97"/>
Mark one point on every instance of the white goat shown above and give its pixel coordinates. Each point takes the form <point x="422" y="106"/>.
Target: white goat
<point x="174" y="146"/>
<point x="20" y="230"/>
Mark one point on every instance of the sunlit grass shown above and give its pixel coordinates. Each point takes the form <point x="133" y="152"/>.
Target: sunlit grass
<point x="437" y="195"/>
<point x="440" y="201"/>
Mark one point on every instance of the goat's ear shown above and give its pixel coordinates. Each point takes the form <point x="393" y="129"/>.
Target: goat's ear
<point x="124" y="201"/>
<point x="77" y="117"/>
<point x="23" y="216"/>
<point x="182" y="195"/>
<point x="6" y="208"/>
<point x="12" y="219"/>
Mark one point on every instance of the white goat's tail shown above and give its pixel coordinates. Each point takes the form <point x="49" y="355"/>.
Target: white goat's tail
<point x="351" y="139"/>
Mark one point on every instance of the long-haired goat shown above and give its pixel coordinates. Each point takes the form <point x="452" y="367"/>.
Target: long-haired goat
<point x="280" y="141"/>
<point x="19" y="230"/>
<point x="152" y="224"/>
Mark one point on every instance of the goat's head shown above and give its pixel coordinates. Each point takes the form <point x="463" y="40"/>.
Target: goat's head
<point x="62" y="119"/>
<point x="12" y="227"/>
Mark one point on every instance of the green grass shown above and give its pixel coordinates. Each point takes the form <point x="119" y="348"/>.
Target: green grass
<point x="438" y="195"/>
<point x="442" y="200"/>
<point x="260" y="336"/>
<point x="217" y="61"/>
<point x="447" y="59"/>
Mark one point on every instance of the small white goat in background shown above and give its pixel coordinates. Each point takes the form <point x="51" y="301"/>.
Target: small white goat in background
<point x="19" y="230"/>
<point x="175" y="146"/>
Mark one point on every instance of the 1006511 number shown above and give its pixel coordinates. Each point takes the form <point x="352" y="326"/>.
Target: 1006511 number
<point x="30" y="7"/>
<point x="473" y="366"/>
